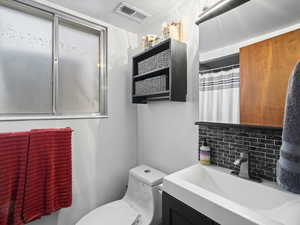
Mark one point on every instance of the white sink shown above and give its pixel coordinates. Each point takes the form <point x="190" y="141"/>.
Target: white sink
<point x="230" y="200"/>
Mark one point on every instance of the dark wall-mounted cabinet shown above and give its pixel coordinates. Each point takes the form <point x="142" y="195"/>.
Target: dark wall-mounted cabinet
<point x="160" y="73"/>
<point x="176" y="212"/>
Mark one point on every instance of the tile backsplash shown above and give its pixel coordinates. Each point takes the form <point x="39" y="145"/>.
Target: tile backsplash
<point x="227" y="141"/>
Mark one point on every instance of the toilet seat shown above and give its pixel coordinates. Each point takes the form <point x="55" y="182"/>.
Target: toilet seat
<point x="115" y="213"/>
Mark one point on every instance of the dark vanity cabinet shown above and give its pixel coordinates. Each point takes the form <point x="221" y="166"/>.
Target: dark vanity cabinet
<point x="176" y="212"/>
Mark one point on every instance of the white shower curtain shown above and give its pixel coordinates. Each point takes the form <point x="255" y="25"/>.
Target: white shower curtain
<point x="219" y="96"/>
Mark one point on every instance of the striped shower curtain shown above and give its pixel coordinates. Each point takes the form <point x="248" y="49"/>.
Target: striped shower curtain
<point x="219" y="96"/>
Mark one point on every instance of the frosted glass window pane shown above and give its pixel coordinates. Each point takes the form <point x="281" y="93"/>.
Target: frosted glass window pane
<point x="78" y="77"/>
<point x="25" y="62"/>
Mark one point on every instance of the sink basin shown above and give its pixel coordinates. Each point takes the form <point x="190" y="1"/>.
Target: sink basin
<point x="230" y="200"/>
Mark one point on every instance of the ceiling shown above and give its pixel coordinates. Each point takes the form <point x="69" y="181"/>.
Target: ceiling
<point x="250" y="20"/>
<point x="104" y="10"/>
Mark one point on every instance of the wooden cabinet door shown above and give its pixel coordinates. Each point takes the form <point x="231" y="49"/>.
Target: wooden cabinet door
<point x="265" y="70"/>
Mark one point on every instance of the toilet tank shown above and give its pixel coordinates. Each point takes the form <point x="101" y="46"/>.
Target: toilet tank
<point x="143" y="193"/>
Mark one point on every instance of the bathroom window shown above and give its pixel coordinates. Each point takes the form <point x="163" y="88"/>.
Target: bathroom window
<point x="51" y="64"/>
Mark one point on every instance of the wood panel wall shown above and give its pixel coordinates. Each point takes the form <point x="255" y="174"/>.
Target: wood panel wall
<point x="265" y="70"/>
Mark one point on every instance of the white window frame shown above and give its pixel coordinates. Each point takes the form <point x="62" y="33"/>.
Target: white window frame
<point x="58" y="15"/>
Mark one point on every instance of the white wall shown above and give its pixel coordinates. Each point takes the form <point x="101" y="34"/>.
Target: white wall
<point x="160" y="134"/>
<point x="167" y="136"/>
<point x="103" y="150"/>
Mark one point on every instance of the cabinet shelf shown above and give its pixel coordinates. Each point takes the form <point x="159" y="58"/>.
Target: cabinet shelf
<point x="152" y="73"/>
<point x="155" y="94"/>
<point x="163" y="71"/>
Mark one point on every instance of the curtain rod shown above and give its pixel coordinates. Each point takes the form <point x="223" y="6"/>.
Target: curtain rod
<point x="219" y="68"/>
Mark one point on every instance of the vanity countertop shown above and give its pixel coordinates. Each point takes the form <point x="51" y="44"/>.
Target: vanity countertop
<point x="231" y="200"/>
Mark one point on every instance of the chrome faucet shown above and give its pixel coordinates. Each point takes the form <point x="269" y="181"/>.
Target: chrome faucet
<point x="243" y="163"/>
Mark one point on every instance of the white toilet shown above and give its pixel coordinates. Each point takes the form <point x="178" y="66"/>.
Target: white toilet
<point x="141" y="204"/>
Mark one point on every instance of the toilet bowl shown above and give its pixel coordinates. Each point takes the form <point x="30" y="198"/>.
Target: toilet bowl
<point x="141" y="205"/>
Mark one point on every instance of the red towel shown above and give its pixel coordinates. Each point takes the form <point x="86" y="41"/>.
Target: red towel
<point x="13" y="158"/>
<point x="48" y="185"/>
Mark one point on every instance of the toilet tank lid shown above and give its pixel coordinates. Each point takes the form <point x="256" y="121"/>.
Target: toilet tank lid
<point x="147" y="175"/>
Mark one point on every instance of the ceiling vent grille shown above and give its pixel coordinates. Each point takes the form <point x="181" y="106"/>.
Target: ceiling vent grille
<point x="131" y="12"/>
